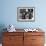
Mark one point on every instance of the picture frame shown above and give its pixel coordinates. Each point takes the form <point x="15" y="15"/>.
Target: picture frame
<point x="26" y="14"/>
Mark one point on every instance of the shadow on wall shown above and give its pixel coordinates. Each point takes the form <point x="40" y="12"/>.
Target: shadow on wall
<point x="2" y="26"/>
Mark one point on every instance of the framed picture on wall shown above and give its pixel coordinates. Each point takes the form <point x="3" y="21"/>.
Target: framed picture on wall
<point x="26" y="14"/>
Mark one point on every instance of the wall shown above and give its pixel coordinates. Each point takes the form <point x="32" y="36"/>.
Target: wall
<point x="8" y="13"/>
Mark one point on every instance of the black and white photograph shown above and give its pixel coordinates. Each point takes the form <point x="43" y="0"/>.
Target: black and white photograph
<point x="25" y="14"/>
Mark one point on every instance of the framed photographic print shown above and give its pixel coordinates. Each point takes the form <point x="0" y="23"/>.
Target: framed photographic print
<point x="26" y="14"/>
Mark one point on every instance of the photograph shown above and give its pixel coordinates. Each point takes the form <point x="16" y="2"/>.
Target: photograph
<point x="25" y="14"/>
